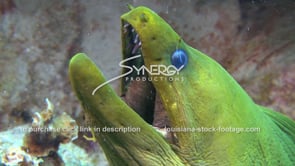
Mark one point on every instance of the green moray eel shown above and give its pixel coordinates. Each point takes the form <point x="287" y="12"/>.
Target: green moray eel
<point x="197" y="94"/>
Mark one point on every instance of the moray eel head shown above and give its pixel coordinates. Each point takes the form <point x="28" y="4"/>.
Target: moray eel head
<point x="164" y="58"/>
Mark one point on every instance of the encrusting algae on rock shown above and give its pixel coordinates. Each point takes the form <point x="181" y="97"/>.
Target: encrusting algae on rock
<point x="42" y="139"/>
<point x="208" y="97"/>
<point x="17" y="156"/>
<point x="48" y="131"/>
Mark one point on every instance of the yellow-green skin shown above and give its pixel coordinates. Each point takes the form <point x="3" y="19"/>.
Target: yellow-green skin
<point x="208" y="97"/>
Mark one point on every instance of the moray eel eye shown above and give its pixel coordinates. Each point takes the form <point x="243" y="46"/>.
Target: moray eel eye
<point x="179" y="59"/>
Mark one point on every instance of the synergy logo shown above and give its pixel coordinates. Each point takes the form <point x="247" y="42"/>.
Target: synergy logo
<point x="164" y="72"/>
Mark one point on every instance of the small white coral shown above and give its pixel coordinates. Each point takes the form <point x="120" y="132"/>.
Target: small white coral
<point x="37" y="120"/>
<point x="44" y="116"/>
<point x="50" y="106"/>
<point x="13" y="156"/>
<point x="16" y="156"/>
<point x="48" y="113"/>
<point x="48" y="131"/>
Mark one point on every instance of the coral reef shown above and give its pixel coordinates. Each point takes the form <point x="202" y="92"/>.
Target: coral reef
<point x="42" y="139"/>
<point x="48" y="131"/>
<point x="17" y="156"/>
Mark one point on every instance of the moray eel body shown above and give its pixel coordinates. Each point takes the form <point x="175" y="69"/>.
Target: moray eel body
<point x="200" y="98"/>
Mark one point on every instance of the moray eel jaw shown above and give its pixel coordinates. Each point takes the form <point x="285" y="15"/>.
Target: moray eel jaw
<point x="106" y="110"/>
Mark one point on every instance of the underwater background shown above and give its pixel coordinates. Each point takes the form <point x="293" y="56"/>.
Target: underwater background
<point x="254" y="40"/>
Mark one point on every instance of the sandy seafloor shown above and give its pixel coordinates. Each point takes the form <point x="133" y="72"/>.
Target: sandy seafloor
<point x="253" y="40"/>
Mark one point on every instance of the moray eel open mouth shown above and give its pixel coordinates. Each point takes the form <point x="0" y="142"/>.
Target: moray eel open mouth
<point x="131" y="47"/>
<point x="137" y="92"/>
<point x="137" y="89"/>
<point x="139" y="106"/>
<point x="208" y="98"/>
